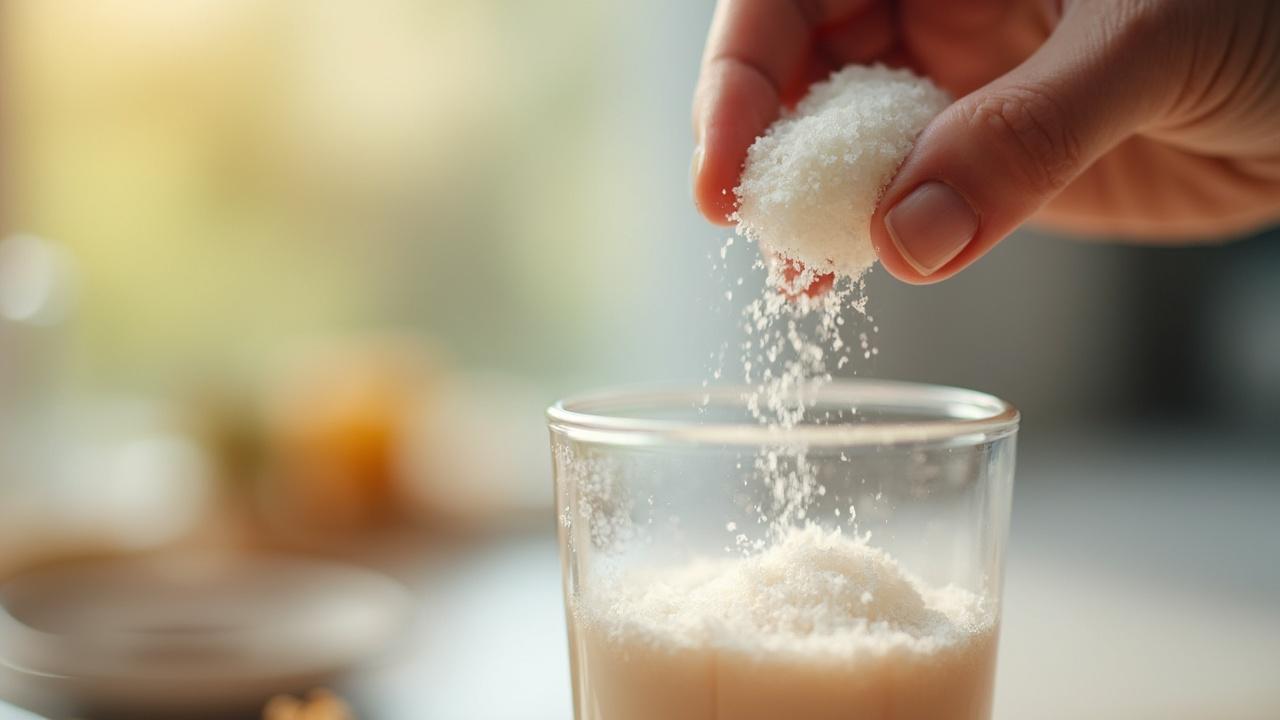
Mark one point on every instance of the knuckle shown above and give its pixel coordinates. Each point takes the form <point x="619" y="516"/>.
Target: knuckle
<point x="1030" y="126"/>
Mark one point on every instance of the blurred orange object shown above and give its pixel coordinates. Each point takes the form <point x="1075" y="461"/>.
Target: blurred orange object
<point x="320" y="704"/>
<point x="335" y="430"/>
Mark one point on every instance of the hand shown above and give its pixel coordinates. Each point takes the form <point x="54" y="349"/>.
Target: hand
<point x="1152" y="119"/>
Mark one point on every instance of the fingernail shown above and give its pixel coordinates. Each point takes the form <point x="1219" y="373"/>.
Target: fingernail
<point x="931" y="226"/>
<point x="695" y="167"/>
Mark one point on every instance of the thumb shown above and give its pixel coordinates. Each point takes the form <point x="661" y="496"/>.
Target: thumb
<point x="994" y="157"/>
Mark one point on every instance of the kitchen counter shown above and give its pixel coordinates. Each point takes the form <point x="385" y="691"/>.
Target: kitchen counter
<point x="1143" y="581"/>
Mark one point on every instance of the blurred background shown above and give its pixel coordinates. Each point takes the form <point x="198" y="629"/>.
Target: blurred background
<point x="297" y="280"/>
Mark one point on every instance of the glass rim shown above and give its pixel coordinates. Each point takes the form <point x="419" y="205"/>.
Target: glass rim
<point x="954" y="416"/>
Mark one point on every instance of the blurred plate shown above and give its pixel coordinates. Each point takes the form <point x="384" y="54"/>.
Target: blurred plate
<point x="9" y="712"/>
<point x="210" y="632"/>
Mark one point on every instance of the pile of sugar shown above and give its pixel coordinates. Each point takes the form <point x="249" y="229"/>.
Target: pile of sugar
<point x="812" y="181"/>
<point x="819" y="626"/>
<point x="813" y="593"/>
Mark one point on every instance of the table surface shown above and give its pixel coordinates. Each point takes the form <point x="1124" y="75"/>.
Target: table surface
<point x="1143" y="581"/>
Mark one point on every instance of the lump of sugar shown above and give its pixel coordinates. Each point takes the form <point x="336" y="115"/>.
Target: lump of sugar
<point x="812" y="181"/>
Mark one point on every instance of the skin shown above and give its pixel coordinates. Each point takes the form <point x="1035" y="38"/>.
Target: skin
<point x="1151" y="120"/>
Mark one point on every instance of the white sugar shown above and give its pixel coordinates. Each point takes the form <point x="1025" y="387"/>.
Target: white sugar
<point x="812" y="181"/>
<point x="817" y="626"/>
<point x="807" y="194"/>
<point x="813" y="592"/>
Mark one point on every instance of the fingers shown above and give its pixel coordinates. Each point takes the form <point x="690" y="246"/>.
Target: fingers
<point x="965" y="43"/>
<point x="992" y="159"/>
<point x="736" y="103"/>
<point x="1151" y="192"/>
<point x="793" y="273"/>
<point x="861" y="39"/>
<point x="757" y="56"/>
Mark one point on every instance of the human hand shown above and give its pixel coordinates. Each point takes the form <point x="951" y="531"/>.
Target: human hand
<point x="1151" y="119"/>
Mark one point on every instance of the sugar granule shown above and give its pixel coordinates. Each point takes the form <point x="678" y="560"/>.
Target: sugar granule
<point x="812" y="181"/>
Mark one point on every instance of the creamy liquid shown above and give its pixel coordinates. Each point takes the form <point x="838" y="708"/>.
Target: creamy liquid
<point x="817" y="627"/>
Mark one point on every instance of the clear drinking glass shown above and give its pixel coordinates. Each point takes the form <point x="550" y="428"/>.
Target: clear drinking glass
<point x="847" y="567"/>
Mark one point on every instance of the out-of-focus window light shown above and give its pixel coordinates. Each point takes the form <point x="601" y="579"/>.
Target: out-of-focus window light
<point x="35" y="280"/>
<point x="231" y="176"/>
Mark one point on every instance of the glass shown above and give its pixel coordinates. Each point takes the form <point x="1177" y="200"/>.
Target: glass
<point x="667" y="498"/>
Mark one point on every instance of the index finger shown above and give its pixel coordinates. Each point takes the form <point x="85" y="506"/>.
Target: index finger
<point x="756" y="52"/>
